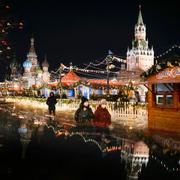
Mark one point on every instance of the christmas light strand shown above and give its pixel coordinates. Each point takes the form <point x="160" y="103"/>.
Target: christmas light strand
<point x="98" y="75"/>
<point x="114" y="58"/>
<point x="91" y="71"/>
<point x="95" y="71"/>
<point x="98" y="64"/>
<point x="118" y="59"/>
<point x="94" y="67"/>
<point x="167" y="51"/>
<point x="164" y="165"/>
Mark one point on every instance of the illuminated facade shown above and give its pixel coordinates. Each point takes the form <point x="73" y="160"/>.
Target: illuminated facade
<point x="140" y="56"/>
<point x="33" y="74"/>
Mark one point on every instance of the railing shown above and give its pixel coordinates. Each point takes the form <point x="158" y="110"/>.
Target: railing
<point x="130" y="114"/>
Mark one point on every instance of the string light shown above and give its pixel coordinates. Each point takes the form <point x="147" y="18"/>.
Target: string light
<point x="167" y="51"/>
<point x="116" y="58"/>
<point x="96" y="64"/>
<point x="165" y="166"/>
<point x="95" y="67"/>
<point x="90" y="70"/>
<point x="98" y="75"/>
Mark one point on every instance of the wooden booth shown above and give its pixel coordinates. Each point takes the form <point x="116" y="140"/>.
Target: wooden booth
<point x="164" y="100"/>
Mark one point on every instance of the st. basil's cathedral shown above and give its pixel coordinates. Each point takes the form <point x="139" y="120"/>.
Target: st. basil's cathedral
<point x="33" y="74"/>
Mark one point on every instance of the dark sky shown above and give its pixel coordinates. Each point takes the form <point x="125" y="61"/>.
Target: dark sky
<point x="83" y="31"/>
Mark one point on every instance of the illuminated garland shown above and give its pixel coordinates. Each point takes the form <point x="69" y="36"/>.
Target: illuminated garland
<point x="96" y="64"/>
<point x="164" y="165"/>
<point x="167" y="51"/>
<point x="119" y="148"/>
<point x="91" y="71"/>
<point x="116" y="58"/>
<point x="168" y="63"/>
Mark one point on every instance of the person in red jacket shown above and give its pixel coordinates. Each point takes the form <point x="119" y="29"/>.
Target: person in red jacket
<point x="102" y="115"/>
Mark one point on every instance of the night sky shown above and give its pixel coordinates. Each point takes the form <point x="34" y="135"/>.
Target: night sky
<point x="83" y="31"/>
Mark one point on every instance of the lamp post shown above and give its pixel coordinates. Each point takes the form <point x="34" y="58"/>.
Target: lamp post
<point x="109" y="66"/>
<point x="60" y="83"/>
<point x="107" y="76"/>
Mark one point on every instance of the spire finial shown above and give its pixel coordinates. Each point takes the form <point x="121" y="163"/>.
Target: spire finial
<point x="32" y="49"/>
<point x="140" y="19"/>
<point x="32" y="41"/>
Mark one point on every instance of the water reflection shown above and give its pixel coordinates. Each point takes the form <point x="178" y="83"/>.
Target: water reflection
<point x="43" y="131"/>
<point x="133" y="154"/>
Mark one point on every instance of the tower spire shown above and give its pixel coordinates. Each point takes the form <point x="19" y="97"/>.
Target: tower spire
<point x="45" y="62"/>
<point x="32" y="49"/>
<point x="140" y="19"/>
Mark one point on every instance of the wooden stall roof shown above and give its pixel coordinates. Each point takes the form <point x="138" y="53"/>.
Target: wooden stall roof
<point x="71" y="76"/>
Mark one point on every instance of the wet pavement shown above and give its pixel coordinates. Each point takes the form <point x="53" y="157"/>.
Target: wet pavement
<point x="66" y="120"/>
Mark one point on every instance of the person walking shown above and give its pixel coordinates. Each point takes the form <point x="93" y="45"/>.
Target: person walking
<point x="51" y="102"/>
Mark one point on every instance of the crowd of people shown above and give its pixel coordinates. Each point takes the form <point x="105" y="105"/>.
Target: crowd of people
<point x="84" y="116"/>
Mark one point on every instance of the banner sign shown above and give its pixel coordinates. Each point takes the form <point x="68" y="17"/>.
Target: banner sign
<point x="169" y="73"/>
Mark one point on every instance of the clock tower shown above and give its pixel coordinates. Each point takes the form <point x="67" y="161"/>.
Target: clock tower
<point x="140" y="56"/>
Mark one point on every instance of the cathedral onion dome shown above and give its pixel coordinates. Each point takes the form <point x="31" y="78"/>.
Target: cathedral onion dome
<point x="27" y="64"/>
<point x="38" y="70"/>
